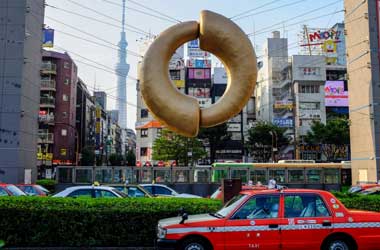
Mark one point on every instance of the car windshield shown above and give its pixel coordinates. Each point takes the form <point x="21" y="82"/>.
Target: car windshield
<point x="15" y="190"/>
<point x="122" y="194"/>
<point x="231" y="205"/>
<point x="43" y="189"/>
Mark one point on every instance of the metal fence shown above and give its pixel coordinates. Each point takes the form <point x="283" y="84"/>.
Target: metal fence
<point x="207" y="174"/>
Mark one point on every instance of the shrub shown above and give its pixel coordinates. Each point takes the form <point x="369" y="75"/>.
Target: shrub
<point x="362" y="202"/>
<point x="67" y="222"/>
<point x="48" y="184"/>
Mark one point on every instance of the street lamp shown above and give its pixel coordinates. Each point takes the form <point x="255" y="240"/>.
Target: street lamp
<point x="274" y="144"/>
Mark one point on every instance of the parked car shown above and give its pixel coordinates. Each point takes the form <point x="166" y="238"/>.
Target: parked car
<point x="274" y="219"/>
<point x="163" y="190"/>
<point x="133" y="190"/>
<point x="10" y="190"/>
<point x="218" y="195"/>
<point x="34" y="190"/>
<point x="362" y="187"/>
<point x="91" y="192"/>
<point x="371" y="191"/>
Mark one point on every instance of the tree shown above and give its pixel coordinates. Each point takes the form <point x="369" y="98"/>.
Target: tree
<point x="130" y="158"/>
<point x="333" y="137"/>
<point x="215" y="136"/>
<point x="171" y="146"/>
<point x="115" y="159"/>
<point x="262" y="138"/>
<point x="88" y="156"/>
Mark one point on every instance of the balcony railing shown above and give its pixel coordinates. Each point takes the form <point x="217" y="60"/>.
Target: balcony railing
<point x="45" y="137"/>
<point x="48" y="68"/>
<point x="48" y="102"/>
<point x="48" y="85"/>
<point x="46" y="118"/>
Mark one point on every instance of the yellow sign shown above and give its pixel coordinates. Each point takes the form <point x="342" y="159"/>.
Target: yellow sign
<point x="283" y="105"/>
<point x="39" y="156"/>
<point x="98" y="112"/>
<point x="97" y="128"/>
<point x="47" y="157"/>
<point x="63" y="151"/>
<point x="179" y="83"/>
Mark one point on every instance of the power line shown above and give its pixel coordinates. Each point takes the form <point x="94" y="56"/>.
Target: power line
<point x="297" y="16"/>
<point x="302" y="21"/>
<point x="155" y="11"/>
<point x="107" y="16"/>
<point x="250" y="10"/>
<point x="140" y="11"/>
<point x="268" y="10"/>
<point x="91" y="35"/>
<point x="97" y="20"/>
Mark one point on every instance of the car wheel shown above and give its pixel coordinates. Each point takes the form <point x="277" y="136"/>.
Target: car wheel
<point x="338" y="244"/>
<point x="194" y="244"/>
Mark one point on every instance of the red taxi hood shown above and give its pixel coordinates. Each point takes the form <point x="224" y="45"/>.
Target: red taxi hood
<point x="192" y="219"/>
<point x="364" y="213"/>
<point x="364" y="216"/>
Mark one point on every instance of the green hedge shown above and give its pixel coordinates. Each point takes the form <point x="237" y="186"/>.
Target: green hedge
<point x="36" y="221"/>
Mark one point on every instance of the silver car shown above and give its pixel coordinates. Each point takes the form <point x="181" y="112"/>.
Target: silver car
<point x="91" y="192"/>
<point x="163" y="190"/>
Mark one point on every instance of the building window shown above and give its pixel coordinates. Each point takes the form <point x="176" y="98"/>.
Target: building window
<point x="67" y="81"/>
<point x="144" y="152"/>
<point x="311" y="71"/>
<point x="144" y="113"/>
<point x="144" y="132"/>
<point x="175" y="74"/>
<point x="65" y="98"/>
<point x="64" y="132"/>
<point x="64" y="114"/>
<point x="66" y="65"/>
<point x="309" y="89"/>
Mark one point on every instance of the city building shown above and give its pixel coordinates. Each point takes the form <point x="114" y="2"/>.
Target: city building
<point x="274" y="90"/>
<point x="114" y="140"/>
<point x="58" y="134"/>
<point x="20" y="56"/>
<point x="309" y="78"/>
<point x="85" y="118"/>
<point x="362" y="45"/>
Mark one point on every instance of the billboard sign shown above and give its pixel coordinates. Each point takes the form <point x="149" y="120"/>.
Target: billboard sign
<point x="193" y="50"/>
<point x="336" y="94"/>
<point x="176" y="63"/>
<point x="283" y="105"/>
<point x="322" y="42"/>
<point x="47" y="38"/>
<point x="233" y="127"/>
<point x="204" y="102"/>
<point x="199" y="73"/>
<point x="283" y="122"/>
<point x="220" y="76"/>
<point x="199" y="63"/>
<point x="199" y="92"/>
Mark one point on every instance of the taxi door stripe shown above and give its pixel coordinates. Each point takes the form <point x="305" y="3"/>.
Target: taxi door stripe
<point x="266" y="228"/>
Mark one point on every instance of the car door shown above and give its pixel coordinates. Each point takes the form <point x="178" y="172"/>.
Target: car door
<point x="104" y="194"/>
<point x="307" y="219"/>
<point x="255" y="225"/>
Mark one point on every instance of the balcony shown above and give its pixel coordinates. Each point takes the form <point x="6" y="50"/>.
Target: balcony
<point x="47" y="102"/>
<point x="48" y="119"/>
<point x="48" y="68"/>
<point x="48" y="85"/>
<point x="45" y="137"/>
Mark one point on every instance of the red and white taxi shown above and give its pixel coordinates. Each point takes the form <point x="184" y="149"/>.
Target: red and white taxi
<point x="290" y="219"/>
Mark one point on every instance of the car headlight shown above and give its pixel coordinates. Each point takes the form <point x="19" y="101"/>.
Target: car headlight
<point x="161" y="232"/>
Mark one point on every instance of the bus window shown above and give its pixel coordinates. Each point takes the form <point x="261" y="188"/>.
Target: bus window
<point x="331" y="176"/>
<point x="277" y="175"/>
<point x="239" y="174"/>
<point x="259" y="175"/>
<point x="313" y="176"/>
<point x="296" y="175"/>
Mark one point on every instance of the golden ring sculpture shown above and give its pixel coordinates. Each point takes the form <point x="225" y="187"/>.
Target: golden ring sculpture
<point x="179" y="112"/>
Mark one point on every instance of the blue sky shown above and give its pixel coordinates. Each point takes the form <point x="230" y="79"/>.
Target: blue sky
<point x="283" y="17"/>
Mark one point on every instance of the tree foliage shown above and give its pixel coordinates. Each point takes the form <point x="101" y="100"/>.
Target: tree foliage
<point x="334" y="137"/>
<point x="115" y="159"/>
<point x="88" y="156"/>
<point x="171" y="146"/>
<point x="215" y="137"/>
<point x="130" y="158"/>
<point x="260" y="140"/>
